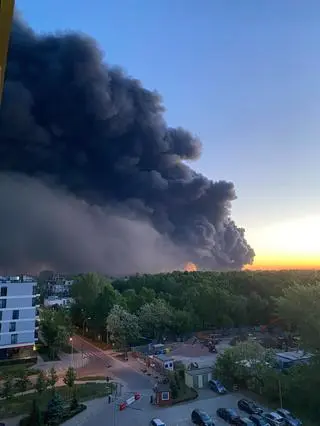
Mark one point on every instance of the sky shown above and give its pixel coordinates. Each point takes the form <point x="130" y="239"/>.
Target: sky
<point x="242" y="75"/>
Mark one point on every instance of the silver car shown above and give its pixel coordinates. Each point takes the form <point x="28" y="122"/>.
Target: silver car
<point x="274" y="419"/>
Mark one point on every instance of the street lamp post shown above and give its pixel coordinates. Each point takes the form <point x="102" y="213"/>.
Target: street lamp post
<point x="71" y="341"/>
<point x="117" y="392"/>
<point x="83" y="324"/>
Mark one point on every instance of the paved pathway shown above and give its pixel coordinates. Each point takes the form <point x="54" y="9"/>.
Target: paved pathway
<point x="104" y="363"/>
<point x="90" y="361"/>
<point x="78" y="361"/>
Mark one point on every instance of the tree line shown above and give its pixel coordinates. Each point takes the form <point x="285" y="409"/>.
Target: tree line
<point x="179" y="303"/>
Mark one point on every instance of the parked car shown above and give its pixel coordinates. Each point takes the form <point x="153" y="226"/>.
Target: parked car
<point x="217" y="386"/>
<point x="201" y="418"/>
<point x="274" y="419"/>
<point x="290" y="419"/>
<point x="229" y="415"/>
<point x="249" y="406"/>
<point x="244" y="421"/>
<point x="157" y="422"/>
<point x="258" y="420"/>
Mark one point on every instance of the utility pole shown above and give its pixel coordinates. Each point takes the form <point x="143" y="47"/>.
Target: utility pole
<point x="280" y="393"/>
<point x="83" y="324"/>
<point x="6" y="17"/>
<point x="115" y="404"/>
<point x="71" y="341"/>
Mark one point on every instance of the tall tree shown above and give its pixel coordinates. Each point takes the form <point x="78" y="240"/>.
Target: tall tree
<point x="22" y="381"/>
<point x="182" y="322"/>
<point x="299" y="308"/>
<point x="55" y="410"/>
<point x="86" y="288"/>
<point x="123" y="326"/>
<point x="70" y="378"/>
<point x="244" y="361"/>
<point x="102" y="307"/>
<point x="155" y="318"/>
<point x="41" y="383"/>
<point x="52" y="378"/>
<point x="55" y="327"/>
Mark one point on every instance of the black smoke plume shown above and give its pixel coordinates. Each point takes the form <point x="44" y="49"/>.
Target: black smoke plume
<point x="92" y="178"/>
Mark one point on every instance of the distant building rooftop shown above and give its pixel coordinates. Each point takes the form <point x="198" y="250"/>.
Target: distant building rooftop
<point x="158" y="346"/>
<point x="294" y="355"/>
<point x="199" y="371"/>
<point x="162" y="387"/>
<point x="16" y="279"/>
<point x="163" y="358"/>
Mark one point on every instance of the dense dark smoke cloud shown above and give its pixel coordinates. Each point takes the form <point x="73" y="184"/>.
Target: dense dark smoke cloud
<point x="92" y="178"/>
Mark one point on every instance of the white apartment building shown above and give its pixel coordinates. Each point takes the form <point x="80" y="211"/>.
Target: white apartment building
<point x="19" y="314"/>
<point x="51" y="301"/>
<point x="60" y="288"/>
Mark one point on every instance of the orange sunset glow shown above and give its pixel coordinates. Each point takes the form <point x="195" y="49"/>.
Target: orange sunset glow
<point x="292" y="244"/>
<point x="282" y="262"/>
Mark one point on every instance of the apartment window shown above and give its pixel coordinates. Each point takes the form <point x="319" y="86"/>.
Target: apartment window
<point x="0" y="326"/>
<point x="15" y="314"/>
<point x="12" y="327"/>
<point x="0" y="315"/>
<point x="36" y="334"/>
<point x="4" y="291"/>
<point x="14" y="339"/>
<point x="34" y="290"/>
<point x="3" y="303"/>
<point x="35" y="301"/>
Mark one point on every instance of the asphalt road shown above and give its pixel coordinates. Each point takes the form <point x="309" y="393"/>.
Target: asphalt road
<point x="118" y="370"/>
<point x="141" y="412"/>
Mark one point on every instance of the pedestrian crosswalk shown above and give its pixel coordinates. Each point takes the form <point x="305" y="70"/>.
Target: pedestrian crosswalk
<point x="96" y="354"/>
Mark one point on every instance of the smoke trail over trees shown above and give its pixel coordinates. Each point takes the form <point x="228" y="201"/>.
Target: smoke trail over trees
<point x="92" y="178"/>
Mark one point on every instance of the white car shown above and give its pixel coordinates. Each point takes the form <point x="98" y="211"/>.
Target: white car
<point x="157" y="422"/>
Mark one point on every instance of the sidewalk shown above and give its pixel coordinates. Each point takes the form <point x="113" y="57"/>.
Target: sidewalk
<point x="66" y="361"/>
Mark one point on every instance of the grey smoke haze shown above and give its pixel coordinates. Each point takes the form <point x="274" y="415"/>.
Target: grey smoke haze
<point x="66" y="231"/>
<point x="92" y="178"/>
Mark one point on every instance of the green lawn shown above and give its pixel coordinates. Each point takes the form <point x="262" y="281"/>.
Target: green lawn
<point x="14" y="370"/>
<point x="22" y="404"/>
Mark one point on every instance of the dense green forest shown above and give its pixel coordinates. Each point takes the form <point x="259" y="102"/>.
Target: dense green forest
<point x="191" y="300"/>
<point x="215" y="299"/>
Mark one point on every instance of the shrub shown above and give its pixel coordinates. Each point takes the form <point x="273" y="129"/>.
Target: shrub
<point x="55" y="410"/>
<point x="23" y="381"/>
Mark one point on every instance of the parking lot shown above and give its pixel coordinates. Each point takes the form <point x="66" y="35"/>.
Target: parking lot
<point x="178" y="415"/>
